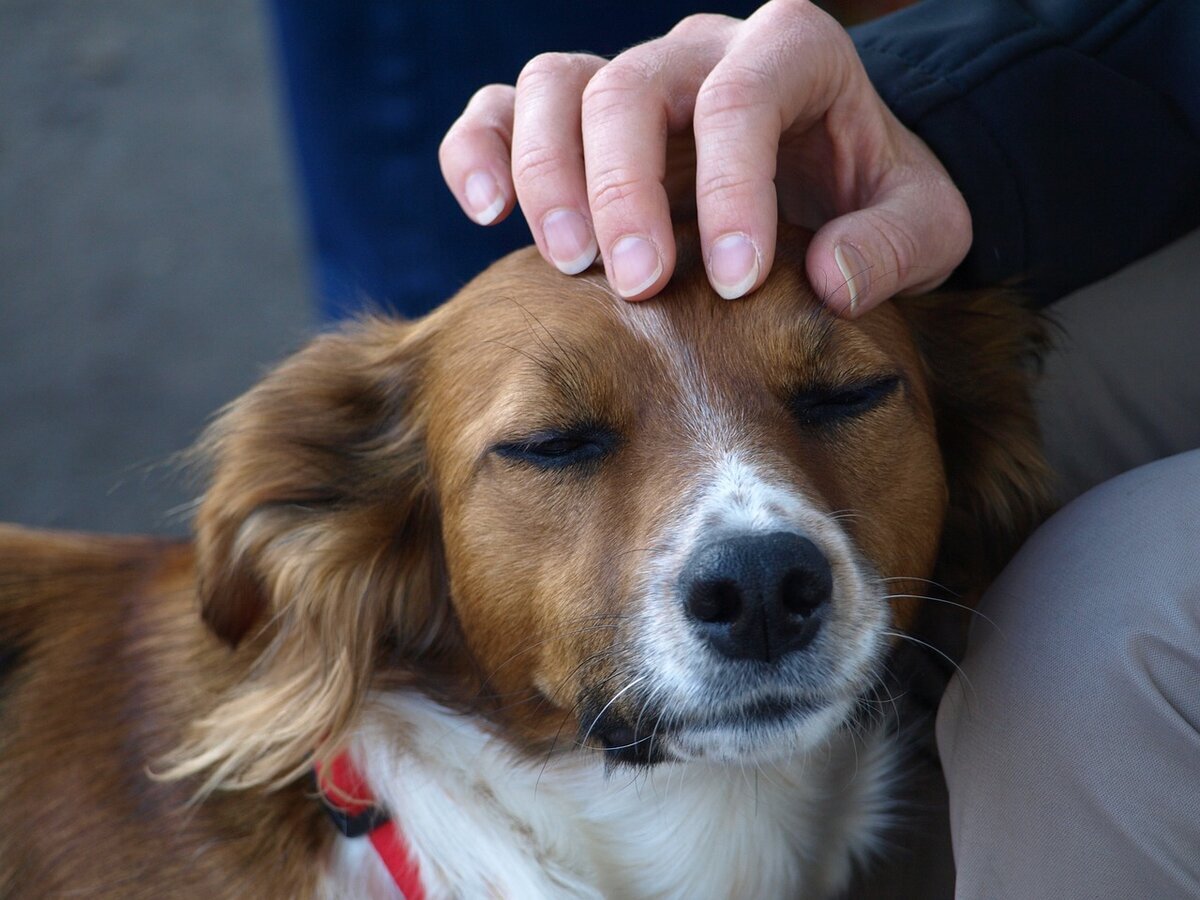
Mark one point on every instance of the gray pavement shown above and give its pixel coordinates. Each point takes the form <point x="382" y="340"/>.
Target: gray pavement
<point x="151" y="260"/>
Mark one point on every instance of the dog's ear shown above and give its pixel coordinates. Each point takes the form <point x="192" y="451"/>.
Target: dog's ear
<point x="317" y="546"/>
<point x="316" y="472"/>
<point x="982" y="353"/>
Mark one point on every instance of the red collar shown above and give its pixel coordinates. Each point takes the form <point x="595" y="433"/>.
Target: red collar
<point x="352" y="807"/>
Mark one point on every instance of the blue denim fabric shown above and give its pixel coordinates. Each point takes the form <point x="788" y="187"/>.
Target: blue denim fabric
<point x="371" y="87"/>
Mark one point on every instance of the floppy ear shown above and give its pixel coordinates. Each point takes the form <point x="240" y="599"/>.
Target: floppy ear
<point x="982" y="353"/>
<point x="317" y="539"/>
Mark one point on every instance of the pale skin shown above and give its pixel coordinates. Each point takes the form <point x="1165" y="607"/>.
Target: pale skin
<point x="736" y="121"/>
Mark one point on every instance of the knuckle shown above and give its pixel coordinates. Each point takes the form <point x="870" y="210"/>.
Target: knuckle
<point x="546" y="68"/>
<point x="534" y="161"/>
<point x="613" y="187"/>
<point x="702" y="24"/>
<point x="959" y="224"/>
<point x="444" y="149"/>
<point x="452" y="140"/>
<point x="489" y="109"/>
<point x="804" y="27"/>
<point x="731" y="90"/>
<point x="612" y="86"/>
<point x="804" y="11"/>
<point x="835" y="37"/>
<point x="723" y="184"/>
<point x="490" y="95"/>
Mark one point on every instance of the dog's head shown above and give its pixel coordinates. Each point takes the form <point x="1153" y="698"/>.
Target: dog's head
<point x="674" y="529"/>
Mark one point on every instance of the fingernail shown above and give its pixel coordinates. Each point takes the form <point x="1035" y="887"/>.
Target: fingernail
<point x="854" y="270"/>
<point x="733" y="265"/>
<point x="484" y="197"/>
<point x="569" y="240"/>
<point x="635" y="265"/>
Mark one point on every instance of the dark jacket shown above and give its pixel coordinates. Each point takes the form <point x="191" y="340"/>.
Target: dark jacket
<point x="1072" y="127"/>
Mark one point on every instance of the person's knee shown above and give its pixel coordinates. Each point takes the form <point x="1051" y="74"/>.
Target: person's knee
<point x="1076" y="692"/>
<point x="1093" y="592"/>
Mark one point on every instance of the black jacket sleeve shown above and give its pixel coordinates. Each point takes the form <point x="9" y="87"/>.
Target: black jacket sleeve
<point x="1072" y="127"/>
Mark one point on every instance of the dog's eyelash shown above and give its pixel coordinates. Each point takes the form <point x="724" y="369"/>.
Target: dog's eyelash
<point x="825" y="405"/>
<point x="564" y="449"/>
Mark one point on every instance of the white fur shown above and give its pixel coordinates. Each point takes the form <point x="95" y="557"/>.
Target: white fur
<point x="483" y="822"/>
<point x="689" y="679"/>
<point x="707" y="422"/>
<point x="734" y="491"/>
<point x="764" y="810"/>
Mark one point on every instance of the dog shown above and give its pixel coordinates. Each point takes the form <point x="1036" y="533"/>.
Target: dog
<point x="546" y="594"/>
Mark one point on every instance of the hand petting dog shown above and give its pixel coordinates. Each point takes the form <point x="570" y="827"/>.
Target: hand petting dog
<point x="745" y="122"/>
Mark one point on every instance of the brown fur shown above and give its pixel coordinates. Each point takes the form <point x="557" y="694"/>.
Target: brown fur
<point x="112" y="663"/>
<point x="357" y="533"/>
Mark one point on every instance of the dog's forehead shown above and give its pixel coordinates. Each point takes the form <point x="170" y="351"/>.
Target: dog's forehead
<point x="523" y="309"/>
<point x="523" y="306"/>
<point x="524" y="347"/>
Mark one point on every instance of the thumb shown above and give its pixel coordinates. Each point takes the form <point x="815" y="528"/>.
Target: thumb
<point x="909" y="240"/>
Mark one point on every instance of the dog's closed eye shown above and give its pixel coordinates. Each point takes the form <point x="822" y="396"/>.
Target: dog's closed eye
<point x="560" y="448"/>
<point x="827" y="405"/>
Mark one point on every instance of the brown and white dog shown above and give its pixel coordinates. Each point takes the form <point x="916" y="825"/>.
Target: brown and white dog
<point x="596" y="595"/>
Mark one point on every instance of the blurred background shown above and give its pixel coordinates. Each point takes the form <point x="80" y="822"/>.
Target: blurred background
<point x="152" y="246"/>
<point x="150" y="253"/>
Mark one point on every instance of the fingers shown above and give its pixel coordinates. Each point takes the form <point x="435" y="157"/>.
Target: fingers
<point x="474" y="155"/>
<point x="908" y="239"/>
<point x="630" y="107"/>
<point x="792" y="77"/>
<point x="781" y="72"/>
<point x="547" y="157"/>
<point x="583" y="144"/>
<point x="737" y="129"/>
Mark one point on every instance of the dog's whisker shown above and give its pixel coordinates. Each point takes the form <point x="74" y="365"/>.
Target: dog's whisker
<point x="936" y="584"/>
<point x="608" y="652"/>
<point x="914" y="640"/>
<point x="600" y="625"/>
<point x="574" y="709"/>
<point x="637" y="725"/>
<point x="945" y="602"/>
<point x="613" y="699"/>
<point x="562" y="722"/>
<point x="884" y="685"/>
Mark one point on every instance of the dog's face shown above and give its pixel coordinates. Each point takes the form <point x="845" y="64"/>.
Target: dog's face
<point x="675" y="518"/>
<point x="672" y="529"/>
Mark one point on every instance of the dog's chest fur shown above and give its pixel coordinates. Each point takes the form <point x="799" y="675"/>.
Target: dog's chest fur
<point x="480" y="821"/>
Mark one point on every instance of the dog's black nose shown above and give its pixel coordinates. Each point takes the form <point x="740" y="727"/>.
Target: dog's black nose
<point x="757" y="596"/>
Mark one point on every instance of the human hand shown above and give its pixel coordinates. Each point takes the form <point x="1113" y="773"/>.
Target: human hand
<point x="785" y="124"/>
